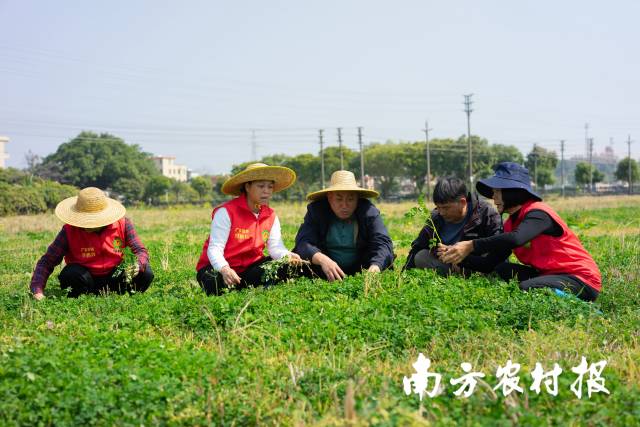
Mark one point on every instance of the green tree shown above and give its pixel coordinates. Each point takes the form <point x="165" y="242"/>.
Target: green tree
<point x="202" y="186"/>
<point x="583" y="177"/>
<point x="157" y="187"/>
<point x="385" y="163"/>
<point x="182" y="192"/>
<point x="307" y="169"/>
<point x="541" y="164"/>
<point x="130" y="189"/>
<point x="622" y="171"/>
<point x="414" y="159"/>
<point x="97" y="160"/>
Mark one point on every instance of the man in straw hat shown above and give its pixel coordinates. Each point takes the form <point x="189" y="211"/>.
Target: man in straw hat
<point x="232" y="255"/>
<point x="343" y="232"/>
<point x="92" y="243"/>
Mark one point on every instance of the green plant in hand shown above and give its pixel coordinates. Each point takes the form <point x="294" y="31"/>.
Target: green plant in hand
<point x="128" y="269"/>
<point x="421" y="211"/>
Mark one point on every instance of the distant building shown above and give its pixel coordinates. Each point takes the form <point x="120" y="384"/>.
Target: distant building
<point x="3" y="154"/>
<point x="606" y="162"/>
<point x="191" y="174"/>
<point x="168" y="168"/>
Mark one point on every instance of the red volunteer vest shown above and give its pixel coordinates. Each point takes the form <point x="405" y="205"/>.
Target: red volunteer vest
<point x="247" y="237"/>
<point x="555" y="255"/>
<point x="98" y="252"/>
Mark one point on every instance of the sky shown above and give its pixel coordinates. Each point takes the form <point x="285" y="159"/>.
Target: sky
<point x="201" y="80"/>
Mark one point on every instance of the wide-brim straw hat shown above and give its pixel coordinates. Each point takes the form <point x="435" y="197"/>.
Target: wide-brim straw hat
<point x="281" y="176"/>
<point x="342" y="181"/>
<point x="90" y="209"/>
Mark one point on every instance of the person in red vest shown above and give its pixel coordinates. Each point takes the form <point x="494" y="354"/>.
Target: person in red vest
<point x="551" y="254"/>
<point x="92" y="243"/>
<point x="233" y="254"/>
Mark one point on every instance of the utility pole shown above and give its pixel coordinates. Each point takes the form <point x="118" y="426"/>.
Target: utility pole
<point x="586" y="138"/>
<point x="426" y="135"/>
<point x="361" y="157"/>
<point x="254" y="151"/>
<point x="320" y="131"/>
<point x="562" y="165"/>
<point x="340" y="145"/>
<point x="590" y="165"/>
<point x="535" y="165"/>
<point x="629" y="157"/>
<point x="468" y="110"/>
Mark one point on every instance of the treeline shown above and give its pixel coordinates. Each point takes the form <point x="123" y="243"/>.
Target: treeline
<point x="23" y="193"/>
<point x="397" y="168"/>
<point x="125" y="171"/>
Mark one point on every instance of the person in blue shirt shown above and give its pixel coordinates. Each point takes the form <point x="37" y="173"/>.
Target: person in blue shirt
<point x="343" y="232"/>
<point x="458" y="216"/>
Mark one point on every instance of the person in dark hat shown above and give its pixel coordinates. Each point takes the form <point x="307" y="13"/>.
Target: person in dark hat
<point x="551" y="254"/>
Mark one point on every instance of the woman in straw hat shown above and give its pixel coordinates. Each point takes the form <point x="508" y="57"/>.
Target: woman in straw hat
<point x="92" y="243"/>
<point x="232" y="256"/>
<point x="343" y="232"/>
<point x="551" y="254"/>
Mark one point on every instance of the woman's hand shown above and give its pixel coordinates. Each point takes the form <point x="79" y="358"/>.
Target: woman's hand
<point x="373" y="268"/>
<point x="454" y="254"/>
<point x="229" y="276"/>
<point x="294" y="258"/>
<point x="38" y="296"/>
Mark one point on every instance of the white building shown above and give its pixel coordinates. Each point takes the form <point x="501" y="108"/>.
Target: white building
<point x="3" y="154"/>
<point x="168" y="168"/>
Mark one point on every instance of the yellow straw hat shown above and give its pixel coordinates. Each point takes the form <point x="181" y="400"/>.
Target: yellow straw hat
<point x="343" y="181"/>
<point x="90" y="209"/>
<point x="282" y="177"/>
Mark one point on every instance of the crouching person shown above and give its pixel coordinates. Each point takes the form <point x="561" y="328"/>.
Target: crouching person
<point x="92" y="243"/>
<point x="551" y="254"/>
<point x="458" y="216"/>
<point x="343" y="232"/>
<point x="232" y="256"/>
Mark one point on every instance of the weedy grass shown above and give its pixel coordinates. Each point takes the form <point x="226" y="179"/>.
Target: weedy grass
<point x="309" y="352"/>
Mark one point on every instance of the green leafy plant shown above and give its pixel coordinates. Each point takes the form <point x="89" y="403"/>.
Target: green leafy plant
<point x="421" y="211"/>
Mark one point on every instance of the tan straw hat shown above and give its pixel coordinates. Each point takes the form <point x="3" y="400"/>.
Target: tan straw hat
<point x="343" y="181"/>
<point x="282" y="177"/>
<point x="89" y="209"/>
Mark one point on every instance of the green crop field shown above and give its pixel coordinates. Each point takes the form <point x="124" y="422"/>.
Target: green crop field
<point x="310" y="352"/>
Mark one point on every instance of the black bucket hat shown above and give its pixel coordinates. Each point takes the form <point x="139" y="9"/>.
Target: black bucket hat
<point x="507" y="175"/>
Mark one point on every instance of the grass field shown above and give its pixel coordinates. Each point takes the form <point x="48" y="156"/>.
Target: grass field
<point x="309" y="352"/>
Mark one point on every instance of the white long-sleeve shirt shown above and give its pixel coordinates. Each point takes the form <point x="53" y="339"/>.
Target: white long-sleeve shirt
<point x="220" y="229"/>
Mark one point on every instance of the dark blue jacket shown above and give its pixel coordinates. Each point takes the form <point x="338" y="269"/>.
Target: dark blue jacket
<point x="373" y="243"/>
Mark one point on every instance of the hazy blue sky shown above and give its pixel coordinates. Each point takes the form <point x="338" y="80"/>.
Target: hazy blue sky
<point x="192" y="78"/>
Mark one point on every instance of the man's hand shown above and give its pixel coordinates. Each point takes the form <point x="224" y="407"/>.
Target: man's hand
<point x="329" y="267"/>
<point x="229" y="276"/>
<point x="38" y="296"/>
<point x="441" y="249"/>
<point x="373" y="268"/>
<point x="332" y="270"/>
<point x="456" y="253"/>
